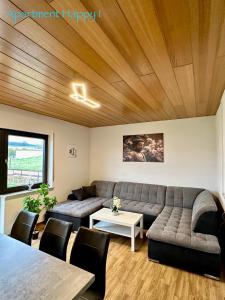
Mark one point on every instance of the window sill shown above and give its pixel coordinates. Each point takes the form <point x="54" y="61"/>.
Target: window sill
<point x="21" y="194"/>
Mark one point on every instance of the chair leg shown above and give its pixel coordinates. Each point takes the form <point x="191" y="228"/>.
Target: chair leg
<point x="212" y="277"/>
<point x="154" y="260"/>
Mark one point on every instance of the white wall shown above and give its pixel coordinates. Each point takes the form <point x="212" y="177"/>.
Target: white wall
<point x="190" y="153"/>
<point x="68" y="173"/>
<point x="220" y="133"/>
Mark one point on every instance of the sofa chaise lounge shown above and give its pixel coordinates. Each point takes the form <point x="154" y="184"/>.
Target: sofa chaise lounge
<point x="184" y="233"/>
<point x="77" y="212"/>
<point x="181" y="222"/>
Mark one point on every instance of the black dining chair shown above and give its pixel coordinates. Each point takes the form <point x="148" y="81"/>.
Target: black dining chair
<point x="89" y="252"/>
<point x="55" y="238"/>
<point x="23" y="226"/>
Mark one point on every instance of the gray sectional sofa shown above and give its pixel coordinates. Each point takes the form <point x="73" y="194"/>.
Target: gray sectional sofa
<point x="181" y="222"/>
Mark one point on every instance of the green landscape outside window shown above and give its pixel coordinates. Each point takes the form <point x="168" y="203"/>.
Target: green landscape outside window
<point x="25" y="161"/>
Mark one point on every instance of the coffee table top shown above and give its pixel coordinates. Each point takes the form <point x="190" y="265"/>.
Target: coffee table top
<point x="124" y="218"/>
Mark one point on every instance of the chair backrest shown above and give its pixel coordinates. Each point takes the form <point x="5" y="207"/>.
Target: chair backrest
<point x="89" y="252"/>
<point x="23" y="226"/>
<point x="55" y="238"/>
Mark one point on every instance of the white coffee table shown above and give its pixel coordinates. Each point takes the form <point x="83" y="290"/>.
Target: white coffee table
<point x="124" y="224"/>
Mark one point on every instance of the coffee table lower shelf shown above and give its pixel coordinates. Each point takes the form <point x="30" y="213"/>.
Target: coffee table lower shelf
<point x="116" y="229"/>
<point x="120" y="230"/>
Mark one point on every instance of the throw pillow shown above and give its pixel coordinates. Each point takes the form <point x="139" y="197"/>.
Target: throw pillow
<point x="79" y="194"/>
<point x="90" y="191"/>
<point x="71" y="197"/>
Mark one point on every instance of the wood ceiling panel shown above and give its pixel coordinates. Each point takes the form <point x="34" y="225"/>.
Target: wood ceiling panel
<point x="99" y="41"/>
<point x="28" y="61"/>
<point x="66" y="114"/>
<point x="206" y="21"/>
<point x="6" y="12"/>
<point x="14" y="37"/>
<point x="142" y="60"/>
<point x="7" y="94"/>
<point x="32" y="82"/>
<point x="45" y="84"/>
<point x="221" y="49"/>
<point x="153" y="84"/>
<point x="9" y="99"/>
<point x="45" y="94"/>
<point x="35" y="79"/>
<point x="185" y="79"/>
<point x="11" y="88"/>
<point x="119" y="110"/>
<point x="30" y="76"/>
<point x="14" y="85"/>
<point x="174" y="19"/>
<point x="120" y="33"/>
<point x="38" y="34"/>
<point x="33" y="76"/>
<point x="143" y="20"/>
<point x="124" y="88"/>
<point x="126" y="118"/>
<point x="217" y="86"/>
<point x="60" y="30"/>
<point x="25" y="82"/>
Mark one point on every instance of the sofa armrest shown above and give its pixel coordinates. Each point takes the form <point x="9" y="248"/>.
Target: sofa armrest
<point x="204" y="214"/>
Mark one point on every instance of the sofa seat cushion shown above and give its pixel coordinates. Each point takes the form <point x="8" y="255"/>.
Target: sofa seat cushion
<point x="173" y="226"/>
<point x="138" y="207"/>
<point x="77" y="208"/>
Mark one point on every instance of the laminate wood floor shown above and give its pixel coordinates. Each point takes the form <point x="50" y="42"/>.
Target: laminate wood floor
<point x="130" y="276"/>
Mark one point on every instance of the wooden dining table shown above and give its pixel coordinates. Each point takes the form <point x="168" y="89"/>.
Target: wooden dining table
<point x="29" y="274"/>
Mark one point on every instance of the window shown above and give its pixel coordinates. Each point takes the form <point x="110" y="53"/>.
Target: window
<point x="23" y="160"/>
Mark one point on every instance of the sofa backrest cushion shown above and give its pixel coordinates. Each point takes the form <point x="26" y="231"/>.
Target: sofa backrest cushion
<point x="181" y="196"/>
<point x="141" y="192"/>
<point x="104" y="189"/>
<point x="204" y="214"/>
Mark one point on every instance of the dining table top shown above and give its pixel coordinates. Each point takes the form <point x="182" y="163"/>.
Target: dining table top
<point x="27" y="273"/>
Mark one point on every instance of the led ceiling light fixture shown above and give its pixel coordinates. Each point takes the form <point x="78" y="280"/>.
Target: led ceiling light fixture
<point x="80" y="95"/>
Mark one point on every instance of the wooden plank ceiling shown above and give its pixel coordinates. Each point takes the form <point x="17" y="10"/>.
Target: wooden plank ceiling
<point x="143" y="60"/>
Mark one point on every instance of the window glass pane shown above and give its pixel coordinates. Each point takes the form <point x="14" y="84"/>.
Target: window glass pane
<point x="25" y="161"/>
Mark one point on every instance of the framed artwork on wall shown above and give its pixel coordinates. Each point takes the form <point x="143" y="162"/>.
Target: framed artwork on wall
<point x="72" y="151"/>
<point x="143" y="148"/>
